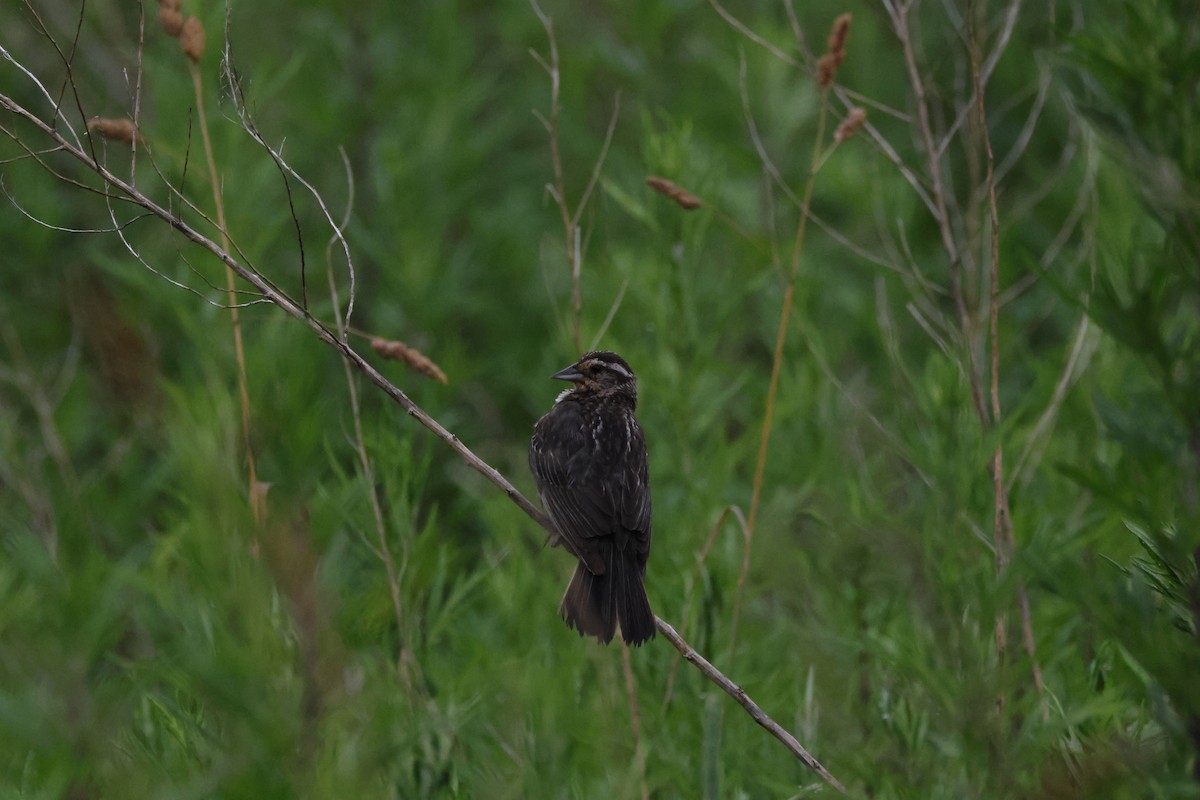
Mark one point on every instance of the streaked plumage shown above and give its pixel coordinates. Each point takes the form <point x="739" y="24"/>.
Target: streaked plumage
<point x="588" y="457"/>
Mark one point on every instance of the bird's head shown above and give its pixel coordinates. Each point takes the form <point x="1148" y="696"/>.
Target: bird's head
<point x="600" y="373"/>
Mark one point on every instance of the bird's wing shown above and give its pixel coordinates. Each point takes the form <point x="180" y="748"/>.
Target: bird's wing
<point x="591" y="494"/>
<point x="555" y="460"/>
<point x="634" y="504"/>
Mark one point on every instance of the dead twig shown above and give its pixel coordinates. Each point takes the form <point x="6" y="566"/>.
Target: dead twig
<point x="558" y="189"/>
<point x="743" y="699"/>
<point x="1005" y="540"/>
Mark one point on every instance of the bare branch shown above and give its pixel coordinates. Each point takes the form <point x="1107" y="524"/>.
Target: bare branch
<point x="743" y="699"/>
<point x="701" y="558"/>
<point x="989" y="66"/>
<point x="43" y="223"/>
<point x="247" y="122"/>
<point x="608" y="136"/>
<point x="612" y="312"/>
<point x="58" y="115"/>
<point x="741" y="28"/>
<point x="1082" y="348"/>
<point x="899" y="15"/>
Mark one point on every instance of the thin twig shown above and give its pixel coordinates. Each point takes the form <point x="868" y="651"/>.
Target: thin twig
<point x="1081" y="352"/>
<point x="612" y="312"/>
<point x="382" y="550"/>
<point x="777" y="179"/>
<point x="760" y="466"/>
<point x="570" y="229"/>
<point x="68" y="78"/>
<point x="989" y="65"/>
<point x="137" y="93"/>
<point x="1003" y="532"/>
<point x="737" y="693"/>
<point x="237" y="93"/>
<point x="572" y="232"/>
<point x="255" y="496"/>
<point x="701" y="558"/>
<point x="899" y="17"/>
<point x="599" y="165"/>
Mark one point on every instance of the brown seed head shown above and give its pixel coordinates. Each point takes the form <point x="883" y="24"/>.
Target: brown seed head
<point x="837" y="37"/>
<point x="827" y="65"/>
<point x="171" y="20"/>
<point x="119" y="130"/>
<point x="850" y="125"/>
<point x="398" y="351"/>
<point x="826" y="69"/>
<point x="191" y="39"/>
<point x="683" y="197"/>
<point x="171" y="5"/>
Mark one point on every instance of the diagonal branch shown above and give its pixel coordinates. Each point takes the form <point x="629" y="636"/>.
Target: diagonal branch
<point x="737" y="693"/>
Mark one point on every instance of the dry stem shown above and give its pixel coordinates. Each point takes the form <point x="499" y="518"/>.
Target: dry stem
<point x="256" y="497"/>
<point x="405" y="665"/>
<point x="1004" y="540"/>
<point x="760" y="466"/>
<point x="738" y="694"/>
<point x="701" y="558"/>
<point x="570" y="220"/>
<point x="899" y="16"/>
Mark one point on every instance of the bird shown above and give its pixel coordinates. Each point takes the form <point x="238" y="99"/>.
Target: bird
<point x="588" y="459"/>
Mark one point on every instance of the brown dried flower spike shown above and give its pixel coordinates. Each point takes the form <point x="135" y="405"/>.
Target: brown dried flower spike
<point x="827" y="65"/>
<point x="399" y="351"/>
<point x="119" y="130"/>
<point x="838" y="36"/>
<point x="683" y="197"/>
<point x="169" y="16"/>
<point x="191" y="39"/>
<point x="171" y="20"/>
<point x="851" y="125"/>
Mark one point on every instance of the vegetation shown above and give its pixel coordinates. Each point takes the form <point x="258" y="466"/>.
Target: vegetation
<point x="926" y="460"/>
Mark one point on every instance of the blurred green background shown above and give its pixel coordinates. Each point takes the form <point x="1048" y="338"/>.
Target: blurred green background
<point x="156" y="642"/>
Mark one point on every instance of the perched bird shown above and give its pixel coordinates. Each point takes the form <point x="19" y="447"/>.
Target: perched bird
<point x="588" y="458"/>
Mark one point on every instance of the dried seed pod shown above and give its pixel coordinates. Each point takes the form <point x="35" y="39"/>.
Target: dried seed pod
<point x="191" y="39"/>
<point x="851" y="125"/>
<point x="837" y="37"/>
<point x="170" y="5"/>
<point x="683" y="197"/>
<point x="171" y="20"/>
<point x="826" y="69"/>
<point x="119" y="130"/>
<point x="398" y="351"/>
<point x="827" y="65"/>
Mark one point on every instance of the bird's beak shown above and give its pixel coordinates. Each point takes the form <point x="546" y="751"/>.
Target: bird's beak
<point x="569" y="374"/>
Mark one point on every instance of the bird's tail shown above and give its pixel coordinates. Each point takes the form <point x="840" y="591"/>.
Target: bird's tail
<point x="594" y="604"/>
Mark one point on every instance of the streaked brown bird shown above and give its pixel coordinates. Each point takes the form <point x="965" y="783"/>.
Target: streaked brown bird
<point x="588" y="458"/>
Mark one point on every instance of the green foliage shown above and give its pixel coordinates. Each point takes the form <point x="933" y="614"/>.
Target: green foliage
<point x="157" y="641"/>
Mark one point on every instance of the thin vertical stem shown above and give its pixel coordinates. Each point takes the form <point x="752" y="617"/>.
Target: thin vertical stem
<point x="1004" y="540"/>
<point x="256" y="497"/>
<point x="941" y="212"/>
<point x="760" y="466"/>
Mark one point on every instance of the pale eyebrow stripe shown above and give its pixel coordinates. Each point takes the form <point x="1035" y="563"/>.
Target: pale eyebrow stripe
<point x="618" y="368"/>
